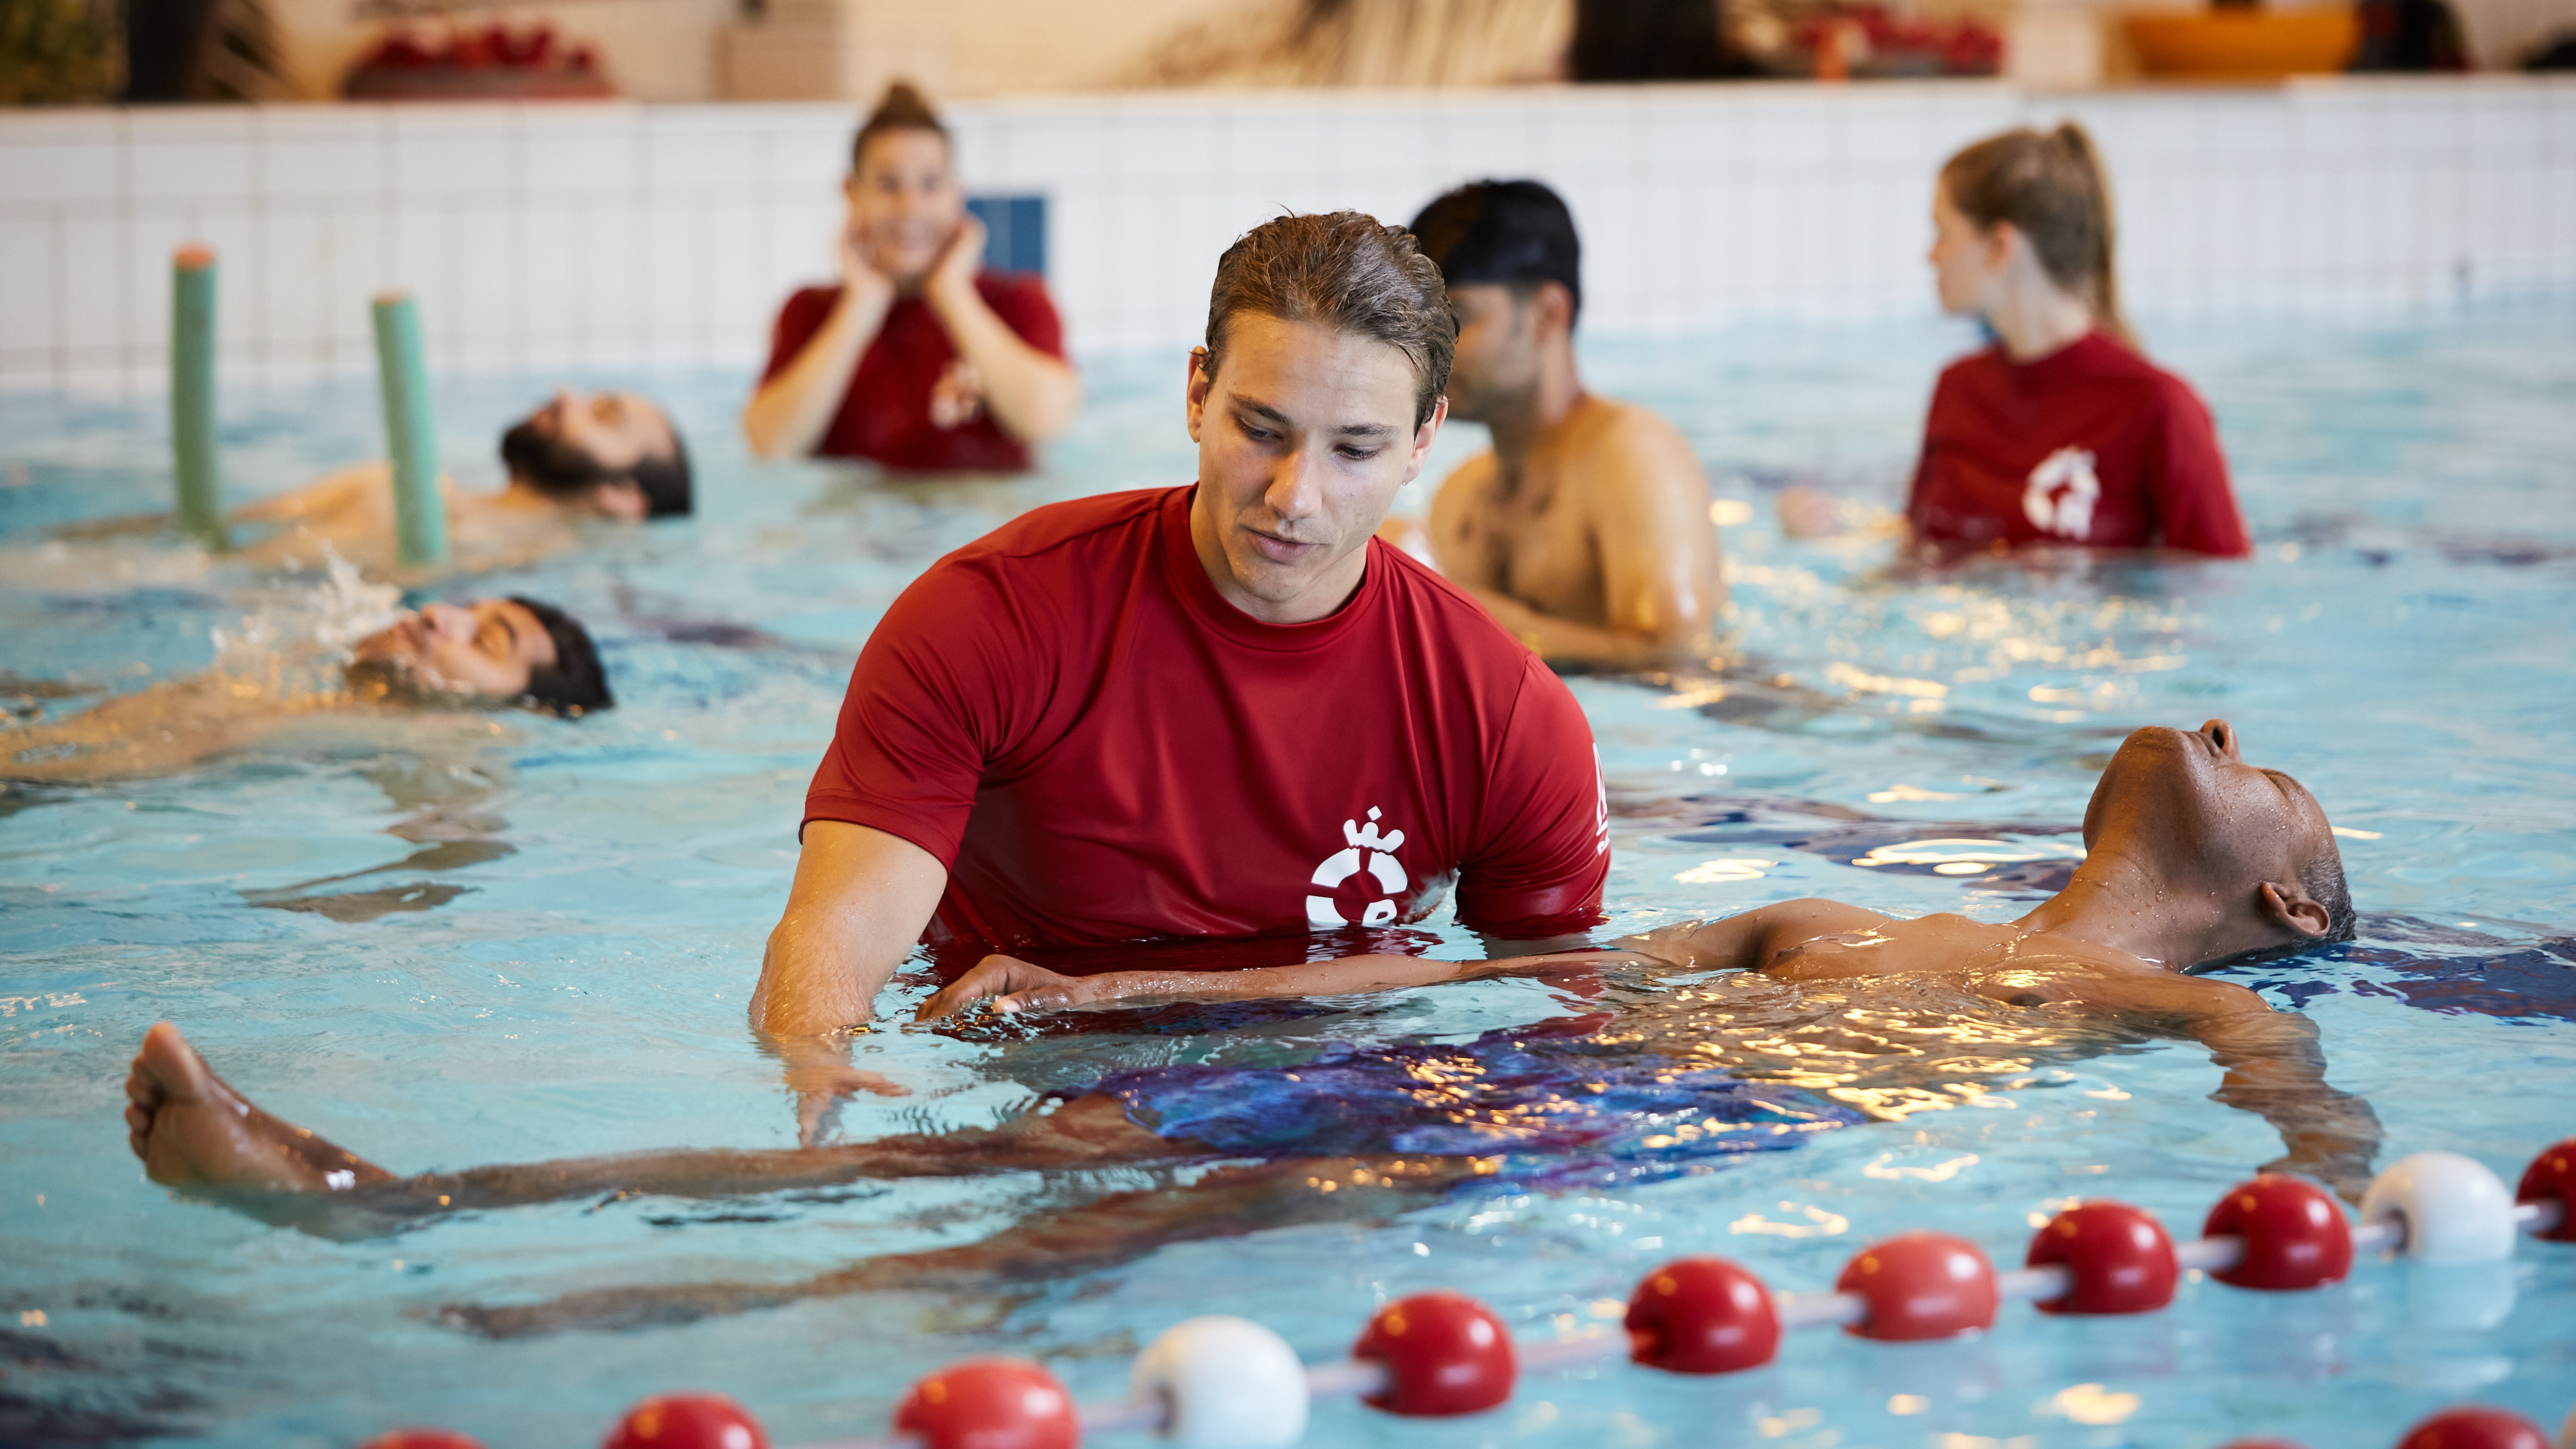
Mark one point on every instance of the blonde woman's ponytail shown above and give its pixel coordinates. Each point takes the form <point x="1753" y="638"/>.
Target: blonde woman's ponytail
<point x="2106" y="246"/>
<point x="2055" y="191"/>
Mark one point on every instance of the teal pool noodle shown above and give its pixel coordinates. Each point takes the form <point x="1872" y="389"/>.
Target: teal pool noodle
<point x="420" y="512"/>
<point x="195" y="464"/>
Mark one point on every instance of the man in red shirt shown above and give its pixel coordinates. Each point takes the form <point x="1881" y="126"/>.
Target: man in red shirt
<point x="919" y="360"/>
<point x="1220" y="710"/>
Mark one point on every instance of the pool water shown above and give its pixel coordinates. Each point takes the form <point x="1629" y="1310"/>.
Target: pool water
<point x="468" y="947"/>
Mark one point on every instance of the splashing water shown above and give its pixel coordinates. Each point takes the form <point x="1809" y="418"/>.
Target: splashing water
<point x="294" y="645"/>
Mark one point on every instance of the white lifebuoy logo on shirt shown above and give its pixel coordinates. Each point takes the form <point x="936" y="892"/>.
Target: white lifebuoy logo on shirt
<point x="1365" y="851"/>
<point x="2059" y="497"/>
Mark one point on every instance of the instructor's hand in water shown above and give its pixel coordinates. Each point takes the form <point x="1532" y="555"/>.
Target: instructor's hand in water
<point x="1010" y="986"/>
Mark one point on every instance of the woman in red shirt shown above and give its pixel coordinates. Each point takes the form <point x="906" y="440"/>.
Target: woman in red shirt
<point x="2061" y="432"/>
<point x="920" y="359"/>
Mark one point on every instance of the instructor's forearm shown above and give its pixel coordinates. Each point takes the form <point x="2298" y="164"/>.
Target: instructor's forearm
<point x="1031" y="395"/>
<point x="790" y="412"/>
<point x="859" y="902"/>
<point x="818" y="977"/>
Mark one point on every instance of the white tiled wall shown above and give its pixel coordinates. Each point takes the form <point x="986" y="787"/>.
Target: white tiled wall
<point x="546" y="235"/>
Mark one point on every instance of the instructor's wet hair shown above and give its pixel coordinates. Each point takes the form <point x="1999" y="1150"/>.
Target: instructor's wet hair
<point x="902" y="109"/>
<point x="1348" y="271"/>
<point x="2052" y="188"/>
<point x="1517" y="233"/>
<point x="575" y="684"/>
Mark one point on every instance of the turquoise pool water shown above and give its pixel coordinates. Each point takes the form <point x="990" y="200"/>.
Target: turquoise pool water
<point x="553" y="958"/>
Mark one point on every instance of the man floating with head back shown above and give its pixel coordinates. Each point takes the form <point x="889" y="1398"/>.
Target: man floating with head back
<point x="579" y="457"/>
<point x="2195" y="858"/>
<point x="1586" y="530"/>
<point x="476" y="655"/>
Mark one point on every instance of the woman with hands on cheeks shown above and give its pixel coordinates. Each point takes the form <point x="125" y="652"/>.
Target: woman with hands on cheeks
<point x="920" y="359"/>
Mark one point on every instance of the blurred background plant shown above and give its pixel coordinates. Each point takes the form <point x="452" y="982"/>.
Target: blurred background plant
<point x="58" y="52"/>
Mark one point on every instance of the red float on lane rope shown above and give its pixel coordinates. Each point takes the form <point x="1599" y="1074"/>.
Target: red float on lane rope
<point x="990" y="1403"/>
<point x="423" y="1439"/>
<point x="1445" y="1353"/>
<point x="2295" y="1235"/>
<point x="1921" y="1285"/>
<point x="2120" y="1259"/>
<point x="2475" y="1428"/>
<point x="1702" y="1316"/>
<point x="687" y="1421"/>
<point x="2552" y="1175"/>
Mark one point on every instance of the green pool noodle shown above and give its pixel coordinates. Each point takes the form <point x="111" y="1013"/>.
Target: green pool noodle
<point x="420" y="512"/>
<point x="195" y="464"/>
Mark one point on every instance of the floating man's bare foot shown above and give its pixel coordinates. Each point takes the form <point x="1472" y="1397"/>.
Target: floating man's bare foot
<point x="191" y="1130"/>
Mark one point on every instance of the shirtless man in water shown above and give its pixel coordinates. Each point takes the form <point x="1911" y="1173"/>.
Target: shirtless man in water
<point x="2195" y="858"/>
<point x="1586" y="530"/>
<point x="611" y="455"/>
<point x="458" y="656"/>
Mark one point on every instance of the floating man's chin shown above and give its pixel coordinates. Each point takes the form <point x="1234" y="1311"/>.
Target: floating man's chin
<point x="399" y="681"/>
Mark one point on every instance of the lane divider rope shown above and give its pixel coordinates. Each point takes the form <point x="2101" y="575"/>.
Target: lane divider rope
<point x="1229" y="1383"/>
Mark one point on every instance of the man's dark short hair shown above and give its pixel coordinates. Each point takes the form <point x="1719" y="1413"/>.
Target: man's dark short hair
<point x="2322" y="878"/>
<point x="1350" y="272"/>
<point x="1517" y="233"/>
<point x="558" y="469"/>
<point x="663" y="478"/>
<point x="575" y="684"/>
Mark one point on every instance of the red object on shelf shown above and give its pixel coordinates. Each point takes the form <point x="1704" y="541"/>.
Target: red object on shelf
<point x="490" y="63"/>
<point x="687" y="1421"/>
<point x="2473" y="1427"/>
<point x="2295" y="1235"/>
<point x="1445" y="1353"/>
<point x="1921" y="1285"/>
<point x="2552" y="1175"/>
<point x="1702" y="1316"/>
<point x="423" y="1439"/>
<point x="2120" y="1258"/>
<point x="990" y="1403"/>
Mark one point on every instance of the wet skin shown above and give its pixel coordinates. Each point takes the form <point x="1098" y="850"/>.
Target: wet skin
<point x="456" y="656"/>
<point x="1586" y="529"/>
<point x="2195" y="857"/>
<point x="351" y="510"/>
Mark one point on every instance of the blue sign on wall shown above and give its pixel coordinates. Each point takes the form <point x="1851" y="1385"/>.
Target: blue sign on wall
<point x="1018" y="228"/>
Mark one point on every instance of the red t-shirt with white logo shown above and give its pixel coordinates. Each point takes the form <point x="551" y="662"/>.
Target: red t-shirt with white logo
<point x="1100" y="748"/>
<point x="2091" y="444"/>
<point x="886" y="415"/>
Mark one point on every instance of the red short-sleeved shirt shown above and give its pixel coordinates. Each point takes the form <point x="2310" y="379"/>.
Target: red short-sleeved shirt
<point x="885" y="416"/>
<point x="2091" y="444"/>
<point x="1100" y="748"/>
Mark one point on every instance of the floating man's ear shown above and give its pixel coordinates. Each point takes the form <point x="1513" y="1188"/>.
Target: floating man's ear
<point x="2287" y="904"/>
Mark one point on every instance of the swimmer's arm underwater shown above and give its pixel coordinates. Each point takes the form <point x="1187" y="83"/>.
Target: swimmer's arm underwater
<point x="1738" y="942"/>
<point x="2276" y="1069"/>
<point x="2274" y="1066"/>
